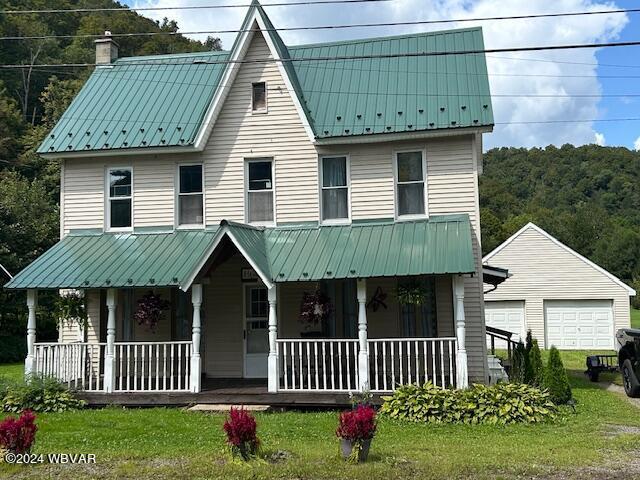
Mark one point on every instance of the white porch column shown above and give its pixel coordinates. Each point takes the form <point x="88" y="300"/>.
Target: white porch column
<point x="30" y="361"/>
<point x="196" y="362"/>
<point x="273" y="364"/>
<point x="363" y="350"/>
<point x="110" y="352"/>
<point x="462" y="374"/>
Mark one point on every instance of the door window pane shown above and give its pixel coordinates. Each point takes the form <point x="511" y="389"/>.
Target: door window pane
<point x="260" y="193"/>
<point x="119" y="197"/>
<point x="190" y="195"/>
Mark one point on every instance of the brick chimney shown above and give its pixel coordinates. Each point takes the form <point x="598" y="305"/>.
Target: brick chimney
<point x="106" y="49"/>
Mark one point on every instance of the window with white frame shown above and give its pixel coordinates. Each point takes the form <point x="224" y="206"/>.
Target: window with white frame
<point x="119" y="198"/>
<point x="259" y="174"/>
<point x="335" y="188"/>
<point x="259" y="97"/>
<point x="410" y="184"/>
<point x="190" y="195"/>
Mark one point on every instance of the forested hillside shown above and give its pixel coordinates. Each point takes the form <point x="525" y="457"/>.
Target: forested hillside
<point x="588" y="197"/>
<point x="31" y="101"/>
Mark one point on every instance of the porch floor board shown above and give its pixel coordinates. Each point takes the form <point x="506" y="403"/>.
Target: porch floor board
<point x="222" y="392"/>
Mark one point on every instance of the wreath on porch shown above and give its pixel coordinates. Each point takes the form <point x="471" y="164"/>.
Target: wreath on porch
<point x="69" y="307"/>
<point x="150" y="309"/>
<point x="315" y="309"/>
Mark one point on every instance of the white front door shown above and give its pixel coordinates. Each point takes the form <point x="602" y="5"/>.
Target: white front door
<point x="579" y="324"/>
<point x="256" y="331"/>
<point x="507" y="315"/>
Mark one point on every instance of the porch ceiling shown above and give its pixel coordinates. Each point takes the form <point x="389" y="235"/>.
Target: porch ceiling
<point x="117" y="260"/>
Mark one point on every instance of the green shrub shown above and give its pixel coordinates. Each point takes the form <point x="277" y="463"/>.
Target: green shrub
<point x="528" y="371"/>
<point x="39" y="394"/>
<point x="500" y="404"/>
<point x="516" y="373"/>
<point x="556" y="379"/>
<point x="536" y="367"/>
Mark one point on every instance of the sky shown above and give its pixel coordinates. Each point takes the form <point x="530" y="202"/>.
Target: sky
<point x="588" y="80"/>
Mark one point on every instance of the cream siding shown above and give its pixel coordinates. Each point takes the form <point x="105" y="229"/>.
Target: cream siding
<point x="83" y="195"/>
<point x="542" y="270"/>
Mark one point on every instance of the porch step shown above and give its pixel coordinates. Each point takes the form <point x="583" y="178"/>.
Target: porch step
<point x="222" y="407"/>
<point x="497" y="373"/>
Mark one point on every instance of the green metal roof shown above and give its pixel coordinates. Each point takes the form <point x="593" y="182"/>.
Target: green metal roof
<point x="117" y="260"/>
<point x="139" y="102"/>
<point x="397" y="94"/>
<point x="439" y="245"/>
<point x="133" y="103"/>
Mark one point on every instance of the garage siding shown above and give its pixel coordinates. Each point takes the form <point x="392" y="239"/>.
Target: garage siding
<point x="542" y="270"/>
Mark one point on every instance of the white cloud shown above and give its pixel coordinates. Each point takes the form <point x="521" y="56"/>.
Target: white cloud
<point x="511" y="112"/>
<point x="636" y="144"/>
<point x="599" y="139"/>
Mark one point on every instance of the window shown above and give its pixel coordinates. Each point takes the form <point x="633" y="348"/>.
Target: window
<point x="259" y="97"/>
<point x="410" y="183"/>
<point x="335" y="188"/>
<point x="260" y="191"/>
<point x="190" y="195"/>
<point x="119" y="194"/>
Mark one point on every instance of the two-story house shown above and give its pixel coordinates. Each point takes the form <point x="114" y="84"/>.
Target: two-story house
<point x="307" y="214"/>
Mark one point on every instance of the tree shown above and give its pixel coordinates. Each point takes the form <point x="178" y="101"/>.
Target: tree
<point x="11" y="128"/>
<point x="535" y="365"/>
<point x="556" y="379"/>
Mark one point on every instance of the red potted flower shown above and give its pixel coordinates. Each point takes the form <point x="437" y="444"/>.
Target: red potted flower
<point x="240" y="428"/>
<point x="17" y="435"/>
<point x="356" y="430"/>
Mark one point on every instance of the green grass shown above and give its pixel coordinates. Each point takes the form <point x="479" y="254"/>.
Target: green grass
<point x="12" y="371"/>
<point x="174" y="444"/>
<point x="635" y="318"/>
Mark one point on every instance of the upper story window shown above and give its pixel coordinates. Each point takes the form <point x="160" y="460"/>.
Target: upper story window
<point x="259" y="97"/>
<point x="260" y="189"/>
<point x="190" y="195"/>
<point x="410" y="184"/>
<point x="334" y="183"/>
<point x="119" y="203"/>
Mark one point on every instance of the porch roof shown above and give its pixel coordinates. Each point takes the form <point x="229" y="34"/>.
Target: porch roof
<point x="116" y="260"/>
<point x="439" y="245"/>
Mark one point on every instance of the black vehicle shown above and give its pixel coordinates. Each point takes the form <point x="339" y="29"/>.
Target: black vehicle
<point x="627" y="360"/>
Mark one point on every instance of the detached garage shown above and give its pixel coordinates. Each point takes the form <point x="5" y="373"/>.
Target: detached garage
<point x="562" y="297"/>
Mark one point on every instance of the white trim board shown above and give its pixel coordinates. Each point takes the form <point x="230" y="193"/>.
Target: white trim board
<point x="547" y="235"/>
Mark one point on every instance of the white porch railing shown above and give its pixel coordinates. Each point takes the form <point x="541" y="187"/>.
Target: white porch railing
<point x="318" y="364"/>
<point x="152" y="366"/>
<point x="400" y="361"/>
<point x="79" y="365"/>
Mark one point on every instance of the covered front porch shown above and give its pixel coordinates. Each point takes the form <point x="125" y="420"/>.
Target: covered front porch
<point x="236" y="314"/>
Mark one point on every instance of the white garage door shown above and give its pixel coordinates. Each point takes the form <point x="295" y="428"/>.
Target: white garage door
<point x="579" y="324"/>
<point x="505" y="316"/>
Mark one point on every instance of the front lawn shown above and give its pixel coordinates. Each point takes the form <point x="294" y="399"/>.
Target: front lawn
<point x="12" y="371"/>
<point x="635" y="318"/>
<point x="174" y="443"/>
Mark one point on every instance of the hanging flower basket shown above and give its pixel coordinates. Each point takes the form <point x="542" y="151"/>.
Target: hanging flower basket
<point x="315" y="310"/>
<point x="70" y="307"/>
<point x="150" y="310"/>
<point x="412" y="293"/>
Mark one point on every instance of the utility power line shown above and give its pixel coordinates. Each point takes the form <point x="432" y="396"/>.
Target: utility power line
<point x="186" y="7"/>
<point x="335" y="58"/>
<point x="334" y="27"/>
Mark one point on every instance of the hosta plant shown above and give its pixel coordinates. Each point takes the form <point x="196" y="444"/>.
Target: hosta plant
<point x="501" y="404"/>
<point x="241" y="430"/>
<point x="39" y="394"/>
<point x="18" y="434"/>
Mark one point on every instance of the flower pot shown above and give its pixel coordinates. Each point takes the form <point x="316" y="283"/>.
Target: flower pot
<point x="246" y="450"/>
<point x="346" y="447"/>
